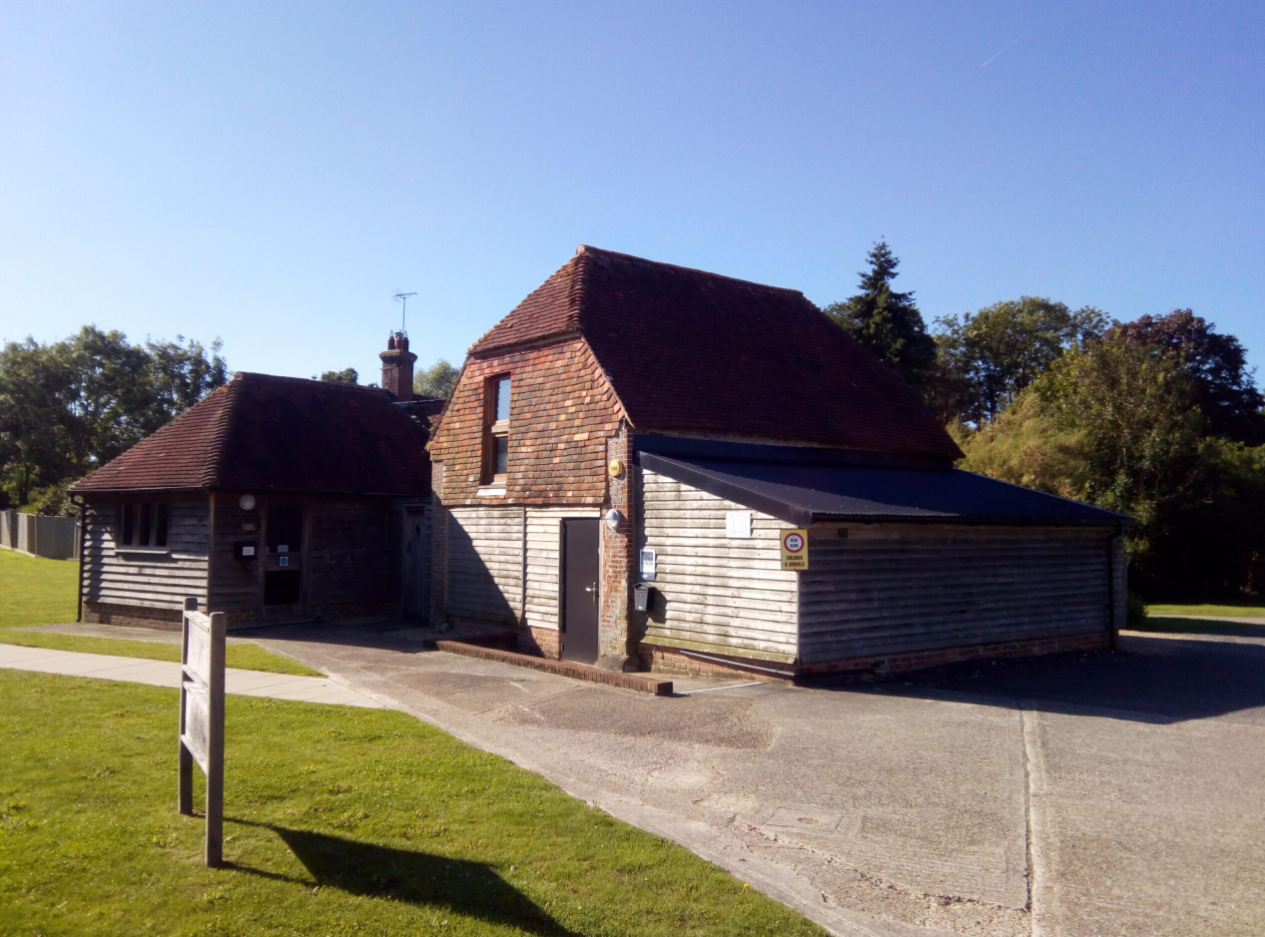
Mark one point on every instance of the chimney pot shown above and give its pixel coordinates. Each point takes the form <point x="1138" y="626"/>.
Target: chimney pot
<point x="397" y="367"/>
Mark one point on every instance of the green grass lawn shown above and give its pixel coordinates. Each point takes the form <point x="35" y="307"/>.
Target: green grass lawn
<point x="338" y="821"/>
<point x="35" y="591"/>
<point x="1195" y="625"/>
<point x="1213" y="611"/>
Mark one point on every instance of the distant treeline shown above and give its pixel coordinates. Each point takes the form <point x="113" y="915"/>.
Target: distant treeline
<point x="1158" y="418"/>
<point x="71" y="406"/>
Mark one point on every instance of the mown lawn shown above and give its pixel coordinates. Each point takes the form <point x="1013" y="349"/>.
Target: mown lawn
<point x="1195" y="625"/>
<point x="35" y="591"/>
<point x="339" y="821"/>
<point x="1212" y="611"/>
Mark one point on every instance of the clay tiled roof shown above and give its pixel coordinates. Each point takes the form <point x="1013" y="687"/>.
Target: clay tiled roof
<point x="695" y="352"/>
<point x="266" y="433"/>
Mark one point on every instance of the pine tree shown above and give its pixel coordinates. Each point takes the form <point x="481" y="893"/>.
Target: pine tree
<point x="887" y="322"/>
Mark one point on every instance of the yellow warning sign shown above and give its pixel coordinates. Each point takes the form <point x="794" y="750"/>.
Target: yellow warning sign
<point x="795" y="549"/>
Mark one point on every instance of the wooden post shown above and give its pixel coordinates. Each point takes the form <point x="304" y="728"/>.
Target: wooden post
<point x="215" y="753"/>
<point x="202" y="719"/>
<point x="184" y="769"/>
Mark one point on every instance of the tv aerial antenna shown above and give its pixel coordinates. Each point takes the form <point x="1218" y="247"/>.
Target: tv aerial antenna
<point x="402" y="298"/>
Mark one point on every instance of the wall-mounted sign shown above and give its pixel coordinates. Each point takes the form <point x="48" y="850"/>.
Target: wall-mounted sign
<point x="738" y="525"/>
<point x="649" y="563"/>
<point x="795" y="549"/>
<point x="284" y="561"/>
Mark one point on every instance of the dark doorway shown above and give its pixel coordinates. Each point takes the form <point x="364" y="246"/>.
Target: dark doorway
<point x="415" y="590"/>
<point x="282" y="561"/>
<point x="579" y="590"/>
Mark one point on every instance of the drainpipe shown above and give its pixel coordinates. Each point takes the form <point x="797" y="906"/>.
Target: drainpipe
<point x="83" y="521"/>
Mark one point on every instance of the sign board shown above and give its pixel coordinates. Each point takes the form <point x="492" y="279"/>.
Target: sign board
<point x="795" y="549"/>
<point x="202" y="720"/>
<point x="649" y="565"/>
<point x="738" y="525"/>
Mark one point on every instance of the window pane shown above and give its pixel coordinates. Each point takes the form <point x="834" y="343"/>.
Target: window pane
<point x="503" y="399"/>
<point x="127" y="528"/>
<point x="142" y="526"/>
<point x="160" y="525"/>
<point x="500" y="454"/>
<point x="285" y="527"/>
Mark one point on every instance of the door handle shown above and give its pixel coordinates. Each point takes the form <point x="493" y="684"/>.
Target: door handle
<point x="592" y="591"/>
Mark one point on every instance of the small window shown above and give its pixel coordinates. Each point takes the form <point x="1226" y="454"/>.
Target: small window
<point x="142" y="524"/>
<point x="496" y="435"/>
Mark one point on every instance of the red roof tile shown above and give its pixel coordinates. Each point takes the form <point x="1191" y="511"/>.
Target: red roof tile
<point x="265" y="433"/>
<point x="695" y="352"/>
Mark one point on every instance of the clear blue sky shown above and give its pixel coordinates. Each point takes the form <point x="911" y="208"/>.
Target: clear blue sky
<point x="269" y="172"/>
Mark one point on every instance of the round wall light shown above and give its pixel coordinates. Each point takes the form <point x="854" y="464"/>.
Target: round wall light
<point x="246" y="502"/>
<point x="615" y="467"/>
<point x="613" y="517"/>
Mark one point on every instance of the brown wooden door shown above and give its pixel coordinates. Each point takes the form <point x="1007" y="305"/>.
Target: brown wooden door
<point x="579" y="589"/>
<point x="416" y="585"/>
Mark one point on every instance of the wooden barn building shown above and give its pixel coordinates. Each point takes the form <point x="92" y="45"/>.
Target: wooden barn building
<point x="273" y="499"/>
<point x="632" y="422"/>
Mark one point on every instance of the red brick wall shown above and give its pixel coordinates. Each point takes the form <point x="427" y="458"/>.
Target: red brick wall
<point x="617" y="543"/>
<point x="543" y="641"/>
<point x="562" y="408"/>
<point x="105" y="613"/>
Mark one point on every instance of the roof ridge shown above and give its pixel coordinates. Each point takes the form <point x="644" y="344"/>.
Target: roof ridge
<point x="340" y="385"/>
<point x="598" y="252"/>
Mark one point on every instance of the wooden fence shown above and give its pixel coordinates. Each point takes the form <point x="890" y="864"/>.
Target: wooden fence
<point x="54" y="538"/>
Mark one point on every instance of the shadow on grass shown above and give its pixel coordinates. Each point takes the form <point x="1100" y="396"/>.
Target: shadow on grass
<point x="473" y="889"/>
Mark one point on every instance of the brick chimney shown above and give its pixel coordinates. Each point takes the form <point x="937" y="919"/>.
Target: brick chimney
<point x="397" y="367"/>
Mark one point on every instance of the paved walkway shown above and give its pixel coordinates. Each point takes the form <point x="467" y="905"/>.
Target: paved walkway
<point x="167" y="673"/>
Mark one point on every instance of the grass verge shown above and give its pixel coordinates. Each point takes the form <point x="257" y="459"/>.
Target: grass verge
<point x="36" y="591"/>
<point x="338" y="821"/>
<point x="1210" y="611"/>
<point x="1197" y="625"/>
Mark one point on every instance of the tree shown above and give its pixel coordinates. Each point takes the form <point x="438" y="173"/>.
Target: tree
<point x="68" y="407"/>
<point x="886" y="322"/>
<point x="1217" y="365"/>
<point x="988" y="357"/>
<point x="436" y="381"/>
<point x="345" y="376"/>
<point x="183" y="374"/>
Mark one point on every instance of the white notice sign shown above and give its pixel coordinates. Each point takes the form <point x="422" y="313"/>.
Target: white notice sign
<point x="738" y="525"/>
<point x="648" y="565"/>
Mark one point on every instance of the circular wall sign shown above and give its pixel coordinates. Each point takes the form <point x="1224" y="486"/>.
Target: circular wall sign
<point x="246" y="502"/>
<point x="793" y="542"/>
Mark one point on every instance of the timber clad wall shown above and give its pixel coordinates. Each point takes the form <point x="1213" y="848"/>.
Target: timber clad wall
<point x="485" y="563"/>
<point x="160" y="579"/>
<point x="348" y="558"/>
<point x="544" y="543"/>
<point x="888" y="589"/>
<point x="562" y="409"/>
<point x="715" y="595"/>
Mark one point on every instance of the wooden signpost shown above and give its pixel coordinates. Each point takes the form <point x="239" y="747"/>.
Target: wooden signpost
<point x="202" y="719"/>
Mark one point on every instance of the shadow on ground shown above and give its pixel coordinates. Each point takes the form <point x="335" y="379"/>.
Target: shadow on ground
<point x="1150" y="679"/>
<point x="472" y="889"/>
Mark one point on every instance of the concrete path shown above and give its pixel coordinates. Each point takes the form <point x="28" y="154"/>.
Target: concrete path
<point x="167" y="674"/>
<point x="1102" y="794"/>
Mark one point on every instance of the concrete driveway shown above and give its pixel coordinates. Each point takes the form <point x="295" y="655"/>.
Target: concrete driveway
<point x="1102" y="794"/>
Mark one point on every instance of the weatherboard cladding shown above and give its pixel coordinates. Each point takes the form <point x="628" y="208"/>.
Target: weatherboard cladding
<point x="260" y="432"/>
<point x="690" y="351"/>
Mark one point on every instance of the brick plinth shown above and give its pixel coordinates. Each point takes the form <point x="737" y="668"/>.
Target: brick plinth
<point x="670" y="660"/>
<point x="102" y="613"/>
<point x="544" y="642"/>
